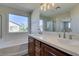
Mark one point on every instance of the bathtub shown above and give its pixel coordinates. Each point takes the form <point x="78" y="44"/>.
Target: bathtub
<point x="16" y="47"/>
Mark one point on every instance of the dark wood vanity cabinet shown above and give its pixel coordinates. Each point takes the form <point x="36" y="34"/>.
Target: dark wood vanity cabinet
<point x="37" y="48"/>
<point x="31" y="46"/>
<point x="51" y="51"/>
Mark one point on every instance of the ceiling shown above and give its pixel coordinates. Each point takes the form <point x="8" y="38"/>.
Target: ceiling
<point x="29" y="7"/>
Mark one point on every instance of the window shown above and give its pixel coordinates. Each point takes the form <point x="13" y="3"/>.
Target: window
<point x="41" y="25"/>
<point x="49" y="25"/>
<point x="66" y="26"/>
<point x="18" y="23"/>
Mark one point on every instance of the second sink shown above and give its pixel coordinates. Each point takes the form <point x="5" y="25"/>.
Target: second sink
<point x="69" y="41"/>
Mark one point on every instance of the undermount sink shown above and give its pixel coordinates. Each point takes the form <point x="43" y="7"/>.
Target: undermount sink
<point x="72" y="42"/>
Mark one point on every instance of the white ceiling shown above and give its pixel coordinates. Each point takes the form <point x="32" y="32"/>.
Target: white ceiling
<point x="29" y="7"/>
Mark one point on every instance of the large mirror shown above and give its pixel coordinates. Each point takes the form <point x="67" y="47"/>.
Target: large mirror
<point x="56" y="24"/>
<point x="63" y="18"/>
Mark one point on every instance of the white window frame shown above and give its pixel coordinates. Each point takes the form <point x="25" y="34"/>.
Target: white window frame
<point x="19" y="15"/>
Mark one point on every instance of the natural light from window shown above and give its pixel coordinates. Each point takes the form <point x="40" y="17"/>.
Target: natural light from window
<point x="18" y="23"/>
<point x="41" y="25"/>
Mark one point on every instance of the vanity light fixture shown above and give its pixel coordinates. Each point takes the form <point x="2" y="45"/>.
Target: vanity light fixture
<point x="46" y="6"/>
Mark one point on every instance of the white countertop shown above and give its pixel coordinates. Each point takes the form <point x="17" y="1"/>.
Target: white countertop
<point x="54" y="42"/>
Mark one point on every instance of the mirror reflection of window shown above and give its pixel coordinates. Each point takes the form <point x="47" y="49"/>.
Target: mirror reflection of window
<point x="41" y="25"/>
<point x="66" y="26"/>
<point x="49" y="25"/>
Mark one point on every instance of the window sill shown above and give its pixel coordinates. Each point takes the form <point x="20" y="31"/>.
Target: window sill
<point x="18" y="32"/>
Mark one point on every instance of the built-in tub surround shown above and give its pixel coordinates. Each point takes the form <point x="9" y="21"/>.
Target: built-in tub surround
<point x="54" y="41"/>
<point x="12" y="43"/>
<point x="15" y="47"/>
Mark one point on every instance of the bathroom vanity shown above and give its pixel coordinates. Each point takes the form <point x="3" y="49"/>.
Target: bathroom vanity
<point x="39" y="48"/>
<point x="50" y="45"/>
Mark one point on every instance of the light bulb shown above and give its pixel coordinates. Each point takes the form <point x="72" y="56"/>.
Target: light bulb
<point x="53" y="4"/>
<point x="45" y="5"/>
<point x="48" y="7"/>
<point x="44" y="8"/>
<point x="41" y="7"/>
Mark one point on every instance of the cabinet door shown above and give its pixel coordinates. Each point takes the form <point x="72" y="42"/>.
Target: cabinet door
<point x="50" y="51"/>
<point x="37" y="48"/>
<point x="31" y="46"/>
<point x="45" y="51"/>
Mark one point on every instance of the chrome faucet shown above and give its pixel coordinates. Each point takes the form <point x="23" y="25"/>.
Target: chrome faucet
<point x="59" y="35"/>
<point x="70" y="36"/>
<point x="64" y="35"/>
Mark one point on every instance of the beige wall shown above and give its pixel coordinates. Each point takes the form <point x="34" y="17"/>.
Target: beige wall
<point x="75" y="19"/>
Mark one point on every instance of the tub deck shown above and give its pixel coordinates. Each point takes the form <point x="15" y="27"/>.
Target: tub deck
<point x="13" y="47"/>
